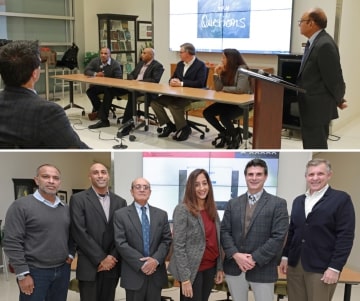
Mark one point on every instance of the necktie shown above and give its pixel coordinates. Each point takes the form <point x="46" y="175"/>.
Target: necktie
<point x="145" y="231"/>
<point x="306" y="52"/>
<point x="252" y="200"/>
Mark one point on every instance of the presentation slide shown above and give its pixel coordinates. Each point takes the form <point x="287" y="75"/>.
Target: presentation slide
<point x="168" y="173"/>
<point x="251" y="26"/>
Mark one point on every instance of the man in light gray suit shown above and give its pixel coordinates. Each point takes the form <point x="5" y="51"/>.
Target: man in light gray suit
<point x="253" y="231"/>
<point x="92" y="227"/>
<point x="142" y="275"/>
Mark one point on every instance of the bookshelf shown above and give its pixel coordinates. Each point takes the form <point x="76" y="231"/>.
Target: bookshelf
<point x="118" y="33"/>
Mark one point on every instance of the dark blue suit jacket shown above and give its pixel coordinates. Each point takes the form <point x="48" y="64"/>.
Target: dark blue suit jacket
<point x="194" y="77"/>
<point x="325" y="238"/>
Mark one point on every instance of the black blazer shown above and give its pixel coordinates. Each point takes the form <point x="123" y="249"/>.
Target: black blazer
<point x="152" y="74"/>
<point x="321" y="76"/>
<point x="194" y="77"/>
<point x="93" y="234"/>
<point x="325" y="238"/>
<point x="28" y="121"/>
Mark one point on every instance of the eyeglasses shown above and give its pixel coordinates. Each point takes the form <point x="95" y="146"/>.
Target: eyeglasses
<point x="181" y="51"/>
<point x="305" y="20"/>
<point x="141" y="187"/>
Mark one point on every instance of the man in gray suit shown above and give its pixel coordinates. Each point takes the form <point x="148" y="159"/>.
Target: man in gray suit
<point x="321" y="76"/>
<point x="142" y="275"/>
<point x="253" y="231"/>
<point x="92" y="211"/>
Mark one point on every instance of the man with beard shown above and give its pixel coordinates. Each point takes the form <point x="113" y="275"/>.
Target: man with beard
<point x="91" y="211"/>
<point x="37" y="240"/>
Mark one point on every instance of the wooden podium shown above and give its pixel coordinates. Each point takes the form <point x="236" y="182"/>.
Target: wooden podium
<point x="268" y="109"/>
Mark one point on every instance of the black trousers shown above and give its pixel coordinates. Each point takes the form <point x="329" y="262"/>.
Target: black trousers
<point x="227" y="113"/>
<point x="149" y="291"/>
<point x="103" y="107"/>
<point x="202" y="286"/>
<point x="102" y="289"/>
<point x="315" y="137"/>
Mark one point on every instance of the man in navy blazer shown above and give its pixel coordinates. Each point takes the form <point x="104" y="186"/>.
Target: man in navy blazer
<point x="92" y="228"/>
<point x="189" y="72"/>
<point x="103" y="66"/>
<point x="252" y="235"/>
<point x="320" y="237"/>
<point x="142" y="275"/>
<point x="321" y="76"/>
<point x="26" y="119"/>
<point x="148" y="70"/>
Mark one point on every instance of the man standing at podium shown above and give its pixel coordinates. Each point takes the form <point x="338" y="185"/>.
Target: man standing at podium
<point x="321" y="76"/>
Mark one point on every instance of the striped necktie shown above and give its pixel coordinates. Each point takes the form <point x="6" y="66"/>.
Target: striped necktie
<point x="145" y="231"/>
<point x="252" y="200"/>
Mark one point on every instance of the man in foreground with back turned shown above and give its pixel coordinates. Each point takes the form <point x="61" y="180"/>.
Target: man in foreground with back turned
<point x="92" y="227"/>
<point x="253" y="231"/>
<point x="27" y="120"/>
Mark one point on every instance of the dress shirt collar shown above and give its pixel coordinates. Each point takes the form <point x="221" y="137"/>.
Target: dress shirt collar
<point x="257" y="195"/>
<point x="313" y="37"/>
<point x="41" y="199"/>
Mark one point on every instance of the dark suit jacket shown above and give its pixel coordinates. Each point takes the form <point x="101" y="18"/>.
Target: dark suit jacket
<point x="325" y="238"/>
<point x="264" y="240"/>
<point x="112" y="70"/>
<point x="129" y="243"/>
<point x="152" y="74"/>
<point x="321" y="76"/>
<point x="28" y="121"/>
<point x="194" y="77"/>
<point x="93" y="234"/>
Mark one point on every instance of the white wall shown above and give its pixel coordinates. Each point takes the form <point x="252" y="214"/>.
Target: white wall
<point x="74" y="167"/>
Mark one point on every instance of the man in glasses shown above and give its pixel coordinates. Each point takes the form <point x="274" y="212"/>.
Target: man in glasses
<point x="92" y="227"/>
<point x="321" y="76"/>
<point x="142" y="237"/>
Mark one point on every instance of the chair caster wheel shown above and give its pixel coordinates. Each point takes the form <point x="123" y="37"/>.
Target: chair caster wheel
<point x="132" y="138"/>
<point x="202" y="136"/>
<point x="83" y="113"/>
<point x="146" y="128"/>
<point x="159" y="130"/>
<point x="207" y="130"/>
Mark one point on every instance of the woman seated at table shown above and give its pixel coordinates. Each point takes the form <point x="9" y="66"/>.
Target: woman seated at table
<point x="228" y="79"/>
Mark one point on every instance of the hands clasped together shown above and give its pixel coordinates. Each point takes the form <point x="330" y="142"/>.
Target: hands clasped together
<point x="244" y="261"/>
<point x="107" y="263"/>
<point x="150" y="265"/>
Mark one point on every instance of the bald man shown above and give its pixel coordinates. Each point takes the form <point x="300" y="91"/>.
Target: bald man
<point x="143" y="268"/>
<point x="91" y="211"/>
<point x="321" y="76"/>
<point x="148" y="70"/>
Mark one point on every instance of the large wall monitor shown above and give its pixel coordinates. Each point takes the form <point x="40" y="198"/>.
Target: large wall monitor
<point x="168" y="172"/>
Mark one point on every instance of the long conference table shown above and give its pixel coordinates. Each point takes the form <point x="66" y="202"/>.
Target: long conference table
<point x="243" y="100"/>
<point x="348" y="276"/>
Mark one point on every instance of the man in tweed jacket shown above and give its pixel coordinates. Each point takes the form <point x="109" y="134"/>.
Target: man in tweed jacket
<point x="253" y="231"/>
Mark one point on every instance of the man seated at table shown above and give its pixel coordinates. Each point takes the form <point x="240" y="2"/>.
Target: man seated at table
<point x="189" y="72"/>
<point x="103" y="66"/>
<point x="26" y="119"/>
<point x="148" y="70"/>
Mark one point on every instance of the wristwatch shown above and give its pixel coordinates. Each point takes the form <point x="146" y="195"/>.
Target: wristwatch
<point x="22" y="277"/>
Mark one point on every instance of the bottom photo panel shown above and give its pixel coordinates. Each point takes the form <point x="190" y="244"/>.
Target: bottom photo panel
<point x="179" y="225"/>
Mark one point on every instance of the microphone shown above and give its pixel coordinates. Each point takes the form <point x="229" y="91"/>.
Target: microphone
<point x="125" y="125"/>
<point x="262" y="72"/>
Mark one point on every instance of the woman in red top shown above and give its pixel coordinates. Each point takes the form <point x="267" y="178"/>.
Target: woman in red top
<point x="196" y="259"/>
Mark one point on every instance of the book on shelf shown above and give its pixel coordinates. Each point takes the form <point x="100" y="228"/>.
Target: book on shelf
<point x="129" y="58"/>
<point x="128" y="45"/>
<point x="128" y="67"/>
<point x="121" y="35"/>
<point x="114" y="35"/>
<point x="122" y="45"/>
<point x="115" y="46"/>
<point x="125" y="25"/>
<point x="127" y="35"/>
